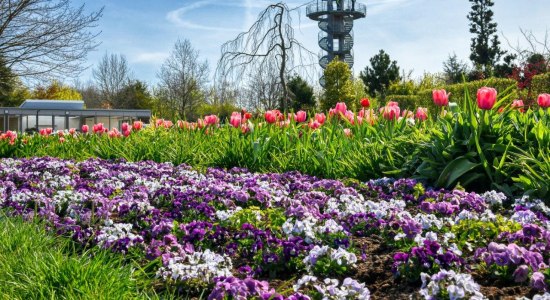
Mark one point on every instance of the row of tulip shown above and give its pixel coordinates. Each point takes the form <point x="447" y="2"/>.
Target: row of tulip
<point x="505" y="149"/>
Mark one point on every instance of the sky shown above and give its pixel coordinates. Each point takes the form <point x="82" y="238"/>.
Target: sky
<point x="418" y="34"/>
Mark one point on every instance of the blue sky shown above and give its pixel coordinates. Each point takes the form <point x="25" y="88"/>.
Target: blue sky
<point x="419" y="34"/>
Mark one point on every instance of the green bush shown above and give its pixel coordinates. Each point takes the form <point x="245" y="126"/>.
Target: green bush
<point x="540" y="85"/>
<point x="410" y="102"/>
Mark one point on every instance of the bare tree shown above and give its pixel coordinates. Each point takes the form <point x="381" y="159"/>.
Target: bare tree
<point x="111" y="74"/>
<point x="263" y="91"/>
<point x="268" y="42"/>
<point x="46" y="37"/>
<point x="535" y="45"/>
<point x="183" y="78"/>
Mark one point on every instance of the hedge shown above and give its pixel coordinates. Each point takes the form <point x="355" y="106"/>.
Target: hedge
<point x="540" y="85"/>
<point x="457" y="91"/>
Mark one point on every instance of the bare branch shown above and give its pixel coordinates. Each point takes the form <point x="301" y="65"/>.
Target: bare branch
<point x="267" y="46"/>
<point x="46" y="37"/>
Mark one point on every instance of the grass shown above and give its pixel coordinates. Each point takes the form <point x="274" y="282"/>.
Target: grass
<point x="35" y="264"/>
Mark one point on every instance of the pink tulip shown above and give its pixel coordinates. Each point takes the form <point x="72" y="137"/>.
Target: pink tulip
<point x="517" y="103"/>
<point x="314" y="124"/>
<point x="211" y="120"/>
<point x="167" y="124"/>
<point x="347" y="132"/>
<point x="245" y="129"/>
<point x="301" y="116"/>
<point x="126" y="133"/>
<point x="159" y="122"/>
<point x="137" y="125"/>
<point x="350" y="116"/>
<point x="422" y="113"/>
<point x="407" y="114"/>
<point x="320" y="118"/>
<point x="62" y="140"/>
<point x="440" y="97"/>
<point x="60" y="133"/>
<point x="43" y="132"/>
<point x="235" y="119"/>
<point x="486" y="98"/>
<point x="85" y="128"/>
<point x="271" y="116"/>
<point x="341" y="108"/>
<point x="544" y="100"/>
<point x="72" y="131"/>
<point x="124" y="127"/>
<point x="49" y="130"/>
<point x="391" y="111"/>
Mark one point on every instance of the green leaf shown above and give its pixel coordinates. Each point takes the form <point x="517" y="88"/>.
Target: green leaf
<point x="455" y="170"/>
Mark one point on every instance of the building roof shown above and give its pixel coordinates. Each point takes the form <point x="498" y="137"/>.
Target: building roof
<point x="53" y="104"/>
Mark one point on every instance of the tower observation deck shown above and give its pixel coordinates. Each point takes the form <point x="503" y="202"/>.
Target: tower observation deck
<point x="335" y="19"/>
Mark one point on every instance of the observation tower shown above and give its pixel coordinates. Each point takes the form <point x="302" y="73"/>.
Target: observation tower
<point x="335" y="19"/>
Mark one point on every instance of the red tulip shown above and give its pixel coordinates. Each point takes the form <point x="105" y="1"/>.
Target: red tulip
<point x="49" y="130"/>
<point x="320" y="118"/>
<point x="137" y="125"/>
<point x="544" y="100"/>
<point x="235" y="119"/>
<point x="126" y="133"/>
<point x="60" y="133"/>
<point x="301" y="116"/>
<point x="441" y="98"/>
<point x="486" y="98"/>
<point x="247" y="116"/>
<point x="271" y="116"/>
<point x="341" y="108"/>
<point x="85" y="128"/>
<point x="365" y="102"/>
<point x="43" y="132"/>
<point x="422" y="113"/>
<point x="124" y="127"/>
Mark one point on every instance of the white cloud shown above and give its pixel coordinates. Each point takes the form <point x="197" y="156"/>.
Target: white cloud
<point x="179" y="18"/>
<point x="149" y="57"/>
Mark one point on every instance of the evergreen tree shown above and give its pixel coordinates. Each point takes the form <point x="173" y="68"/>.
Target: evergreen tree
<point x="338" y="85"/>
<point x="301" y="94"/>
<point x="485" y="50"/>
<point x="454" y="69"/>
<point x="380" y="75"/>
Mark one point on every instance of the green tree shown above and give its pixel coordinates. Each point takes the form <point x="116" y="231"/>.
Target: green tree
<point x="485" y="50"/>
<point x="133" y="95"/>
<point x="56" y="91"/>
<point x="6" y="81"/>
<point x="380" y="75"/>
<point x="454" y="69"/>
<point x="301" y="94"/>
<point x="338" y="85"/>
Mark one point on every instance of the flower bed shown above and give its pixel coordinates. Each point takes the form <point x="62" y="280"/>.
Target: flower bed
<point x="288" y="236"/>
